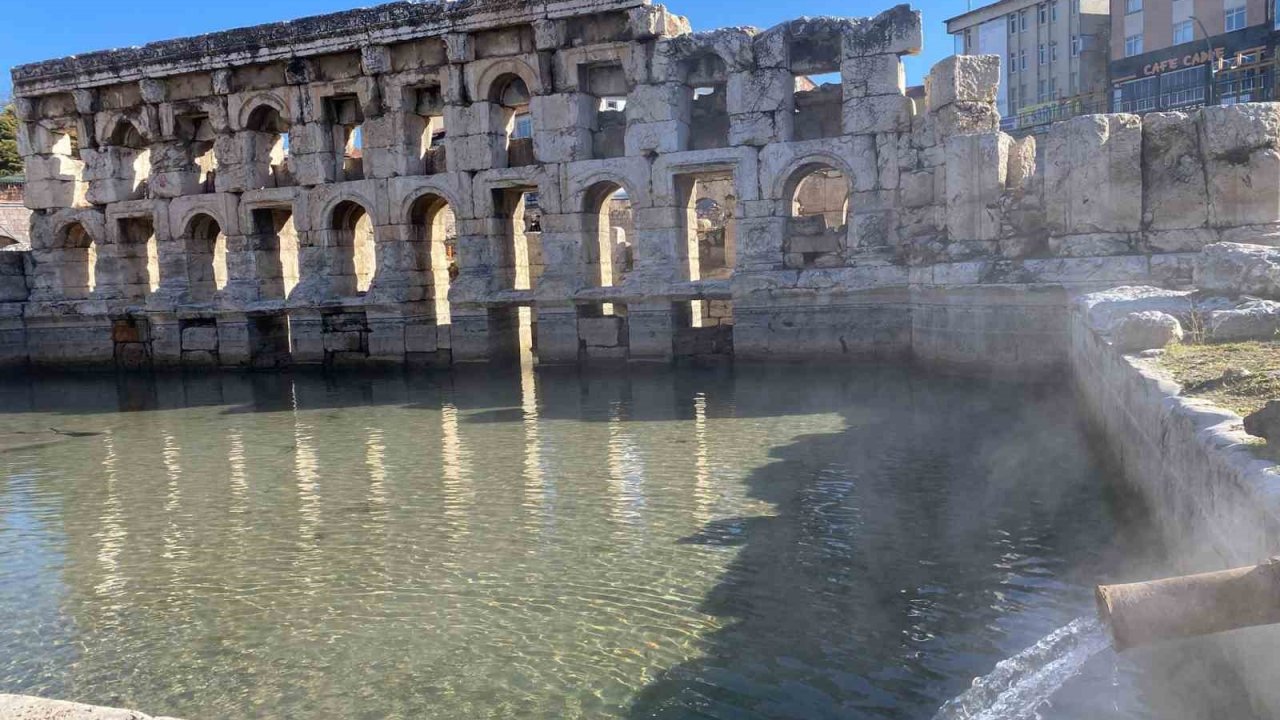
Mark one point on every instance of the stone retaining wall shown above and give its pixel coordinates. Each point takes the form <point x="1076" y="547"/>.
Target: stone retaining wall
<point x="1216" y="503"/>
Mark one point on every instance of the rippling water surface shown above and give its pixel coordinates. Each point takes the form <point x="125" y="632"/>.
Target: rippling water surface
<point x="788" y="543"/>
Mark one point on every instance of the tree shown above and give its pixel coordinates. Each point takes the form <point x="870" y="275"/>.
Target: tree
<point x="10" y="160"/>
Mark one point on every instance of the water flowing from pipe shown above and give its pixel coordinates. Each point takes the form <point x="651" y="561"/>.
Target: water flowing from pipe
<point x="1017" y="687"/>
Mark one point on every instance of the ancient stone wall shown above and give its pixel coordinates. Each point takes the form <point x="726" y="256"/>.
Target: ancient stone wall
<point x="467" y="182"/>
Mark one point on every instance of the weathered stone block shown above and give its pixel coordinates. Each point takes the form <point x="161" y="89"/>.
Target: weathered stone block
<point x="1242" y="156"/>
<point x="1238" y="269"/>
<point x="876" y="114"/>
<point x="977" y="170"/>
<point x="657" y="137"/>
<point x="873" y="75"/>
<point x="963" y="78"/>
<point x="1093" y="175"/>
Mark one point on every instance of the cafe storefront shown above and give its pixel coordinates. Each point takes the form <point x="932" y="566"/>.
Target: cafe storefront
<point x="1226" y="69"/>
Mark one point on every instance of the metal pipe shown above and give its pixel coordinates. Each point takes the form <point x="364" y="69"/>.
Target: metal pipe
<point x="1148" y="612"/>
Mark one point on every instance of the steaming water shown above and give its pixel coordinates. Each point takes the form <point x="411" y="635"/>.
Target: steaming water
<point x="1019" y="686"/>
<point x="793" y="543"/>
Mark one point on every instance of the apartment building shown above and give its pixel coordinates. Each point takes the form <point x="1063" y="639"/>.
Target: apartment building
<point x="1171" y="54"/>
<point x="1055" y="55"/>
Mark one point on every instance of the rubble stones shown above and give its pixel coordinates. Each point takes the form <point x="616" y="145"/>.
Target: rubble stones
<point x="1265" y="423"/>
<point x="1146" y="330"/>
<point x="1239" y="269"/>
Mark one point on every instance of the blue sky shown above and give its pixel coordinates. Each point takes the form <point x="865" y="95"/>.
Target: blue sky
<point x="32" y="30"/>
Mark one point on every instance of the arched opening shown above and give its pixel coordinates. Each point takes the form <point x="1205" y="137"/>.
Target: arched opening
<point x="354" y="244"/>
<point x="270" y="146"/>
<point x="817" y="226"/>
<point x="138" y="257"/>
<point x="206" y="251"/>
<point x="79" y="267"/>
<point x="276" y="242"/>
<point x="511" y="94"/>
<point x="133" y="157"/>
<point x="435" y="236"/>
<point x="610" y="232"/>
<point x="818" y="98"/>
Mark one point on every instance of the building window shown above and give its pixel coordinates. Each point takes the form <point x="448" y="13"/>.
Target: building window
<point x="1013" y="23"/>
<point x="1013" y="64"/>
<point x="1053" y="51"/>
<point x="1022" y="20"/>
<point x="1235" y="18"/>
<point x="1132" y="6"/>
<point x="1022" y="60"/>
<point x="1013" y="98"/>
<point x="1133" y="45"/>
<point x="1044" y="54"/>
<point x="1183" y="32"/>
<point x="1042" y="13"/>
<point x="1053" y="11"/>
<point x="1076" y="46"/>
<point x="1042" y="91"/>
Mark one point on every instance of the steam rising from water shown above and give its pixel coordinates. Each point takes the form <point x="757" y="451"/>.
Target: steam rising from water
<point x="1020" y="685"/>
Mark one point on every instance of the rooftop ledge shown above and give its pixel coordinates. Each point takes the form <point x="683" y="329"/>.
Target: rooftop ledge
<point x="336" y="32"/>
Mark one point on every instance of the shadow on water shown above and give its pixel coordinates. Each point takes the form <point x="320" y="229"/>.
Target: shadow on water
<point x="947" y="525"/>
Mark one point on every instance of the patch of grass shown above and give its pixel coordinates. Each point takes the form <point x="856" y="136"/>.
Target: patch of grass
<point x="1200" y="369"/>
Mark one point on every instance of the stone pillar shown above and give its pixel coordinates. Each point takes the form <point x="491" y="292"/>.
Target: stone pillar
<point x="562" y="126"/>
<point x="651" y="324"/>
<point x="658" y="118"/>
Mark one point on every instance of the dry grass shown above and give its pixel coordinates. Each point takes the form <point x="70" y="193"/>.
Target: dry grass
<point x="1199" y="368"/>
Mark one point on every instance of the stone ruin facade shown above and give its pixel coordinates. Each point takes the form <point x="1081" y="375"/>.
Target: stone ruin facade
<point x="439" y="183"/>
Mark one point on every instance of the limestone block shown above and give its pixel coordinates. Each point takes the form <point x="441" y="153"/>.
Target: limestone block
<point x="873" y="75"/>
<point x="421" y="337"/>
<point x="222" y="81"/>
<point x="896" y="31"/>
<point x="977" y="171"/>
<point x="459" y="47"/>
<point x="28" y="109"/>
<point x="1179" y="241"/>
<point x="306" y="139"/>
<point x="1252" y="320"/>
<point x="1239" y="269"/>
<point x="375" y="59"/>
<point x="964" y="118"/>
<point x="560" y="111"/>
<point x="963" y="78"/>
<point x="653" y="21"/>
<point x="475" y="119"/>
<point x="1093" y="175"/>
<point x="153" y="90"/>
<point x="756" y="129"/>
<point x="1242" y="155"/>
<point x="1022" y="163"/>
<point x="872" y="230"/>
<point x="1091" y="244"/>
<point x="876" y="114"/>
<point x="471" y="153"/>
<point x="916" y="189"/>
<point x="601" y="331"/>
<point x="1173" y="177"/>
<point x="771" y="90"/>
<point x="308" y="170"/>
<point x="656" y="137"/>
<point x="1145" y="330"/>
<point x="50" y="194"/>
<point x="200" y="338"/>
<point x="658" y="103"/>
<point x="773" y="47"/>
<point x="52" y="167"/>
